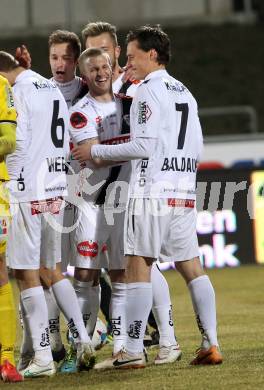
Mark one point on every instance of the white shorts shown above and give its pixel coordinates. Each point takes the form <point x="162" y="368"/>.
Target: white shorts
<point x="157" y="229"/>
<point x="113" y="235"/>
<point x="33" y="240"/>
<point x="88" y="247"/>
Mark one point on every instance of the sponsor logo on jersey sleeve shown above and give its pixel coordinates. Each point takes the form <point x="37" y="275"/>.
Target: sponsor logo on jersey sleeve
<point x="88" y="248"/>
<point x="78" y="120"/>
<point x="144" y="113"/>
<point x="3" y="227"/>
<point x="10" y="99"/>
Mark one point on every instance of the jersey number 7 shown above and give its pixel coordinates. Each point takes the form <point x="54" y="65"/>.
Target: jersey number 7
<point x="184" y="108"/>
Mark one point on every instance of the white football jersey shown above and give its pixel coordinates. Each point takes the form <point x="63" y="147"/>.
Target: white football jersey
<point x="109" y="122"/>
<point x="70" y="90"/>
<point x="37" y="167"/>
<point x="165" y="110"/>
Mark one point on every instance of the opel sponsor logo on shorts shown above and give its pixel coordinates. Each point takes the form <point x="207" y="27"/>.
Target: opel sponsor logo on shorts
<point x="88" y="248"/>
<point x="144" y="113"/>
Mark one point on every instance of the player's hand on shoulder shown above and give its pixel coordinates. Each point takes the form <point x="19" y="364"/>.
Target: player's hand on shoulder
<point x="23" y="57"/>
<point x="128" y="74"/>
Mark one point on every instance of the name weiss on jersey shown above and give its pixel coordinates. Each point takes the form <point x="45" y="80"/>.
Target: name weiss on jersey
<point x="179" y="164"/>
<point x="57" y="164"/>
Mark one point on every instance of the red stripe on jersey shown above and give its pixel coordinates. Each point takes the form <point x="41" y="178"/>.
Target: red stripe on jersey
<point x="117" y="140"/>
<point x="172" y="202"/>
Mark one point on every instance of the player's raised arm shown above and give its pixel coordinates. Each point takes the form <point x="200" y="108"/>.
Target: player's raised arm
<point x="23" y="56"/>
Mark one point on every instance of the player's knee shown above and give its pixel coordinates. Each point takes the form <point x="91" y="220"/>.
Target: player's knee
<point x="117" y="275"/>
<point x="85" y="275"/>
<point x="27" y="278"/>
<point x="190" y="269"/>
<point x="138" y="269"/>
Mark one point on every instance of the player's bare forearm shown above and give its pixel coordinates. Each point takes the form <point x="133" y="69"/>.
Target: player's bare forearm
<point x="82" y="151"/>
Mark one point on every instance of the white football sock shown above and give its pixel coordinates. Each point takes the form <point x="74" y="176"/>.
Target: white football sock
<point x="54" y="320"/>
<point x="68" y="303"/>
<point x="117" y="315"/>
<point x="203" y="299"/>
<point x="89" y="301"/>
<point x="36" y="316"/>
<point x="26" y="346"/>
<point x="162" y="308"/>
<point x="138" y="306"/>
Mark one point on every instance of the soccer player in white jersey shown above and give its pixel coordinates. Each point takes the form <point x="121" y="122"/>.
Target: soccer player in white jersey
<point x="64" y="50"/>
<point x="161" y="221"/>
<point x="96" y="116"/>
<point x="41" y="132"/>
<point x="103" y="35"/>
<point x="38" y="180"/>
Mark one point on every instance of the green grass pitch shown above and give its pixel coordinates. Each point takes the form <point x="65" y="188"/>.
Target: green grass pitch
<point x="240" y="310"/>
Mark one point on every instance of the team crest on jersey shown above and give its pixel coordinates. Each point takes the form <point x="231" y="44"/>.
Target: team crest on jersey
<point x="78" y="120"/>
<point x="144" y="113"/>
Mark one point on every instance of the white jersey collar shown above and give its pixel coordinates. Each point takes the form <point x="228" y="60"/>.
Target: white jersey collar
<point x="89" y="96"/>
<point x="70" y="83"/>
<point x="157" y="73"/>
<point x="25" y="74"/>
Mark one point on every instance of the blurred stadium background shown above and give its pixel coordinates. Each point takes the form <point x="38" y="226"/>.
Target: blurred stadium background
<point x="218" y="51"/>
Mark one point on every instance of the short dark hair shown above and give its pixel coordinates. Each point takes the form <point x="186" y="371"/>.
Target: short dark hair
<point x="64" y="36"/>
<point x="94" y="29"/>
<point x="7" y="62"/>
<point x="89" y="53"/>
<point x="152" y="37"/>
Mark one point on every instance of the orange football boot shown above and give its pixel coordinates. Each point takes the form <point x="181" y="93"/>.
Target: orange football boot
<point x="207" y="356"/>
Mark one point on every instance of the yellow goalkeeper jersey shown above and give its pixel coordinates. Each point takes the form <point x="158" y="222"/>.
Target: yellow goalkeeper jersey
<point x="7" y="122"/>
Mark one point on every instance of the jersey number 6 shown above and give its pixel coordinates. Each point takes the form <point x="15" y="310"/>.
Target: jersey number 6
<point x="55" y="123"/>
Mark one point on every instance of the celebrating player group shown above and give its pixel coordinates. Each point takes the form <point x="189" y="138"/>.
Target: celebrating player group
<point x="98" y="172"/>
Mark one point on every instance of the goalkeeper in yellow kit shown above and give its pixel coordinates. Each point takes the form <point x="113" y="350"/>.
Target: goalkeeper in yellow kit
<point x="8" y="371"/>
